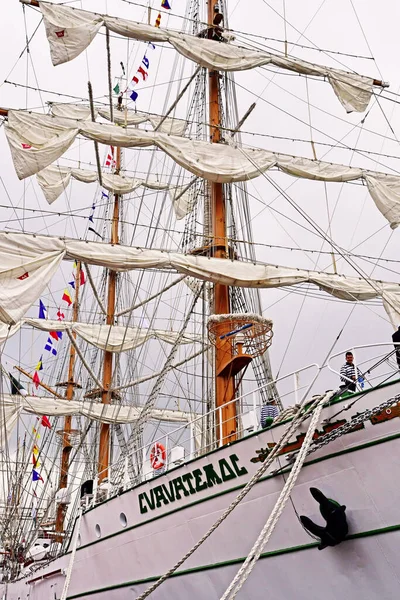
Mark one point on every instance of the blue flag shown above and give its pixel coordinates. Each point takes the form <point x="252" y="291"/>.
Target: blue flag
<point x="72" y="284"/>
<point x="146" y="62"/>
<point x="42" y="310"/>
<point x="134" y="96"/>
<point x="49" y="347"/>
<point x="165" y="4"/>
<point x="36" y="476"/>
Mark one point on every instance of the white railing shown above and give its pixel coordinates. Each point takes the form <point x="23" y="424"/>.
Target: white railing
<point x="204" y="433"/>
<point x="372" y="368"/>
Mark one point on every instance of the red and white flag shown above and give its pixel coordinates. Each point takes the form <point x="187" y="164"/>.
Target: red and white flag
<point x="110" y="162"/>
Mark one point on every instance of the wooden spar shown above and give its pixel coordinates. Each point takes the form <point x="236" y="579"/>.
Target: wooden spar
<point x="225" y="382"/>
<point x="43" y="385"/>
<point x="66" y="442"/>
<point x="108" y="356"/>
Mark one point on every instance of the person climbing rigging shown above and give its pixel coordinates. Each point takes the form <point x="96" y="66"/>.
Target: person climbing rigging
<point x="215" y="32"/>
<point x="336" y="528"/>
<point x="348" y="374"/>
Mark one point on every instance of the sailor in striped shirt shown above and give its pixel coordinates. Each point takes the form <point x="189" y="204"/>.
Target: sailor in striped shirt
<point x="348" y="374"/>
<point x="268" y="414"/>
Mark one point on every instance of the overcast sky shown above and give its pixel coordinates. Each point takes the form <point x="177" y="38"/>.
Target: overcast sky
<point x="281" y="110"/>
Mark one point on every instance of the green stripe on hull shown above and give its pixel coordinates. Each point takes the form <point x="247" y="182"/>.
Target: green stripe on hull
<point x="241" y="486"/>
<point x="236" y="561"/>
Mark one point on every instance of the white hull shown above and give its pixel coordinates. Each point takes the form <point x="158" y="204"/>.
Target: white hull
<point x="360" y="469"/>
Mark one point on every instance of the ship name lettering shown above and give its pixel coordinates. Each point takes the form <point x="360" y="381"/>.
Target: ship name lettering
<point x="191" y="483"/>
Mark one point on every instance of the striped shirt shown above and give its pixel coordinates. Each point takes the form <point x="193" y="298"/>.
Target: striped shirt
<point x="347" y="372"/>
<point x="268" y="410"/>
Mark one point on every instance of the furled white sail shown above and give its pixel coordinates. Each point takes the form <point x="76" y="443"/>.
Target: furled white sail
<point x="130" y="117"/>
<point x="12" y="406"/>
<point x="70" y="31"/>
<point x="54" y="180"/>
<point x="113" y="338"/>
<point x="34" y="138"/>
<point x="23" y="277"/>
<point x="72" y="111"/>
<point x="51" y="250"/>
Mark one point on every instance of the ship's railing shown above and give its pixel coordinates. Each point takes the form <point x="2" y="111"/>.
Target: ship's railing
<point x="377" y="366"/>
<point x="204" y="432"/>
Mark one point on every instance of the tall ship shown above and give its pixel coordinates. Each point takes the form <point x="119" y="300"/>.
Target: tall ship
<point x="199" y="303"/>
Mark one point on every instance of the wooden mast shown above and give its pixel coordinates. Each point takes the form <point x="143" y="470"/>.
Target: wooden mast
<point x="225" y="381"/>
<point x="66" y="440"/>
<point x="108" y="356"/>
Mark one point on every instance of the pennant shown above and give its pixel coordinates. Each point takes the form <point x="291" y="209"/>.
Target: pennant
<point x="72" y="284"/>
<point x="60" y="315"/>
<point x="24" y="276"/>
<point x="45" y="422"/>
<point x="49" y="348"/>
<point x="36" y="476"/>
<point x="104" y="195"/>
<point x="146" y="62"/>
<point x="42" y="310"/>
<point x="165" y="4"/>
<point x="35" y="461"/>
<point x="36" y="379"/>
<point x="82" y="277"/>
<point x="91" y="218"/>
<point x="35" y="433"/>
<point x="16" y="387"/>
<point x="158" y="20"/>
<point x="39" y="366"/>
<point x="116" y="89"/>
<point x="95" y="232"/>
<point x="35" y="450"/>
<point x="67" y="297"/>
<point x="143" y="73"/>
<point x="54" y="335"/>
<point x="134" y="96"/>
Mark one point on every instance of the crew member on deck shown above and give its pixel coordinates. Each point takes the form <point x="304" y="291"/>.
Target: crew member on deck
<point x="268" y="413"/>
<point x="396" y="339"/>
<point x="348" y="374"/>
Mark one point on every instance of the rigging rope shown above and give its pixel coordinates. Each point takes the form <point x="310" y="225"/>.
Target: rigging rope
<point x="109" y="74"/>
<point x="288" y="433"/>
<point x="72" y="559"/>
<point x="262" y="540"/>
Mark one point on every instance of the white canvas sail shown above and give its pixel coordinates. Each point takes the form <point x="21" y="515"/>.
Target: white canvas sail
<point x="49" y="251"/>
<point x="70" y="31"/>
<point x="55" y="179"/>
<point x="13" y="406"/>
<point x="111" y="338"/>
<point x="215" y="162"/>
